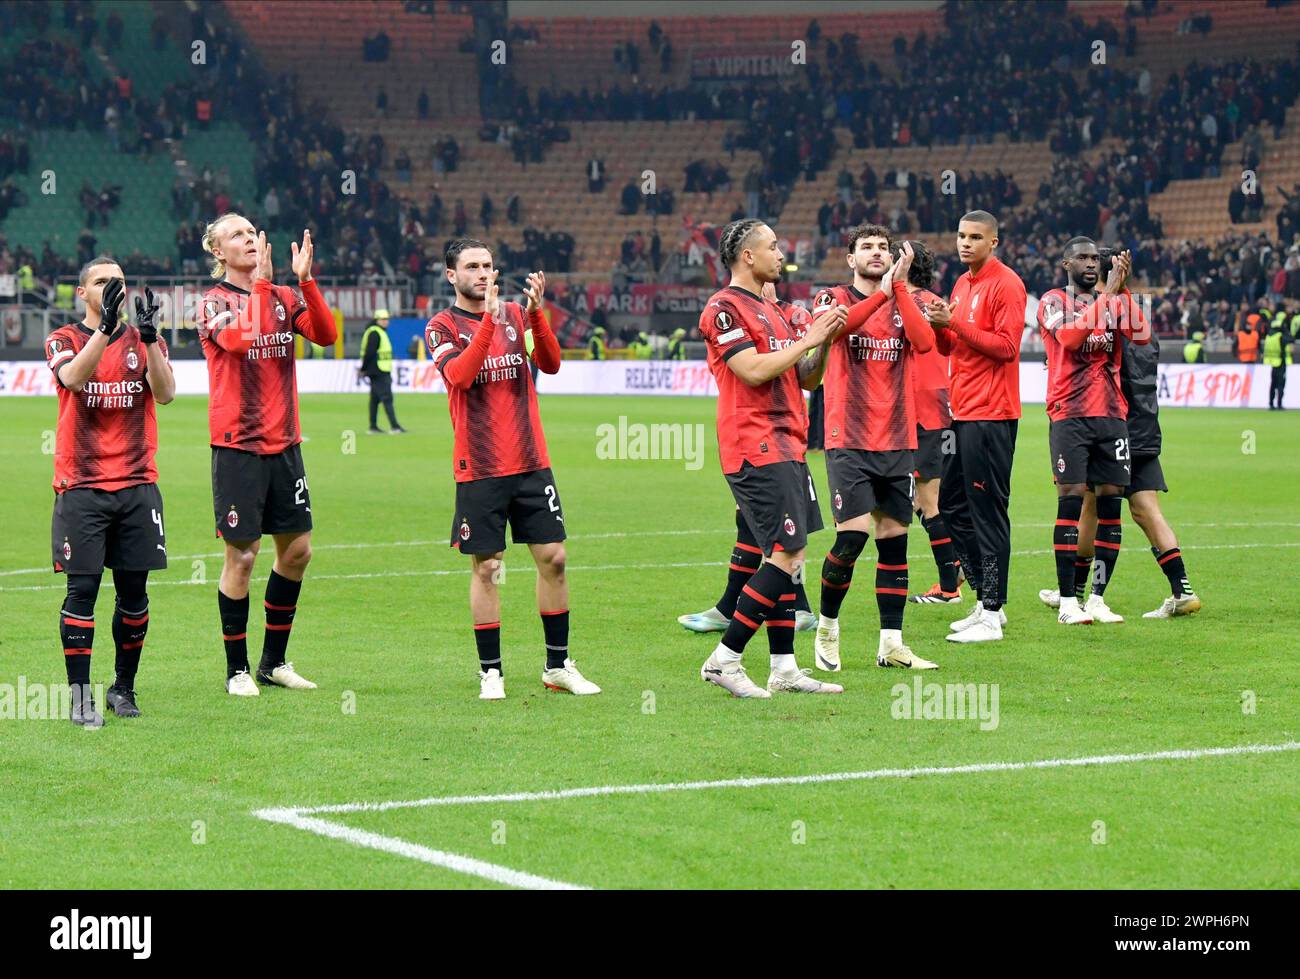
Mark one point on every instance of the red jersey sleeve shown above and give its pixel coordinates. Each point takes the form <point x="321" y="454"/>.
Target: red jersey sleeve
<point x="59" y="350"/>
<point x="724" y="329"/>
<point x="546" y="349"/>
<point x="233" y="331"/>
<point x="310" y="314"/>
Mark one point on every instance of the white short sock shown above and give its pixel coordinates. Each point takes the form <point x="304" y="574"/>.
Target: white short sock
<point x="784" y="663"/>
<point x="724" y="655"/>
<point x="824" y="623"/>
<point x="890" y="637"/>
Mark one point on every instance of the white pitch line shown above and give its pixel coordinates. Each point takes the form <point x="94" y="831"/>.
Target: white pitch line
<point x="413" y="851"/>
<point x="304" y="817"/>
<point x="758" y="782"/>
<point x="443" y="572"/>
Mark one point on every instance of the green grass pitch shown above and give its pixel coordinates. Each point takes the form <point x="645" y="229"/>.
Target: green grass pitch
<point x="383" y="627"/>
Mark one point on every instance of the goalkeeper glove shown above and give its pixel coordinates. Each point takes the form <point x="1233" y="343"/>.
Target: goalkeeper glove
<point x="146" y="316"/>
<point x="110" y="302"/>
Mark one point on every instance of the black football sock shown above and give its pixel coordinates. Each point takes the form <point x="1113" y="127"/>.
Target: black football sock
<point x="1065" y="541"/>
<point x="77" y="627"/>
<point x="746" y="556"/>
<point x="234" y="631"/>
<point x="757" y="601"/>
<point x="1082" y="569"/>
<point x="801" y="598"/>
<point x="837" y="570"/>
<point x="780" y="626"/>
<point x="1171" y="563"/>
<point x="130" y="624"/>
<point x="891" y="580"/>
<point x="487" y="637"/>
<point x="281" y="603"/>
<point x="945" y="554"/>
<point x="1109" y="530"/>
<point x="555" y="626"/>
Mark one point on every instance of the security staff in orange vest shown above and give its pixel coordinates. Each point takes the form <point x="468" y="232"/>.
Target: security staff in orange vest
<point x="1246" y="344"/>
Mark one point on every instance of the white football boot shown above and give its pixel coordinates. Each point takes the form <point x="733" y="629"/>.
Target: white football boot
<point x="799" y="681"/>
<point x="826" y="647"/>
<point x="896" y="654"/>
<point x="1172" y="608"/>
<point x="976" y="615"/>
<point x="1096" y="607"/>
<point x="1072" y="613"/>
<point x="732" y="678"/>
<point x="567" y="678"/>
<point x="804" y="621"/>
<point x="710" y="620"/>
<point x="1050" y="597"/>
<point x="285" y="675"/>
<point x="242" y="685"/>
<point x="491" y="685"/>
<point x="988" y="628"/>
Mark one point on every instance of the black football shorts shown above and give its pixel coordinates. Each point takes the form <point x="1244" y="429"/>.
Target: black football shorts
<point x="861" y="482"/>
<point x="929" y="451"/>
<point x="1147" y="475"/>
<point x="1090" y="450"/>
<point x="529" y="501"/>
<point x="778" y="502"/>
<point x="254" y="494"/>
<point x="119" y="529"/>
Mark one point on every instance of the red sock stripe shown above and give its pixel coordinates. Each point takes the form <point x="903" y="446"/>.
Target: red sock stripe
<point x="746" y="620"/>
<point x="748" y="549"/>
<point x="242" y="635"/>
<point x="1083" y="562"/>
<point x="892" y="591"/>
<point x="140" y="621"/>
<point x="85" y="623"/>
<point x="741" y="567"/>
<point x="1064" y="547"/>
<point x="940" y="543"/>
<point x="1109" y="523"/>
<point x="133" y="645"/>
<point x="76" y="652"/>
<point x="1107" y="544"/>
<point x="834" y="560"/>
<point x="279" y="608"/>
<point x="1067" y="523"/>
<point x="757" y="597"/>
<point x="892" y="567"/>
<point x="558" y="611"/>
<point x="836" y="587"/>
<point x="279" y="628"/>
<point x="780" y="623"/>
<point x="487" y="625"/>
<point x="1168" y="557"/>
<point x="787" y="598"/>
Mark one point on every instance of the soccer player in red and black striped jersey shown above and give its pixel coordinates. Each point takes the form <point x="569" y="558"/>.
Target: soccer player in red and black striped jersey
<point x="980" y="330"/>
<point x="934" y="437"/>
<point x="762" y="368"/>
<point x="259" y="485"/>
<point x="1085" y="402"/>
<point x="746" y="555"/>
<point x="499" y="459"/>
<point x="871" y="438"/>
<point x="107" y="508"/>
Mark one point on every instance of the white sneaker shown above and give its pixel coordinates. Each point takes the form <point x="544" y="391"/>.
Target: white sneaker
<point x="896" y="654"/>
<point x="1096" y="607"/>
<point x="799" y="681"/>
<point x="285" y="675"/>
<point x="1050" y="597"/>
<point x="710" y="620"/>
<point x="1172" y="607"/>
<point x="1072" y="613"/>
<point x="242" y="685"/>
<point x="491" y="685"/>
<point x="826" y="648"/>
<point x="976" y="615"/>
<point x="732" y="678"/>
<point x="987" y="629"/>
<point x="568" y="678"/>
<point x="804" y="621"/>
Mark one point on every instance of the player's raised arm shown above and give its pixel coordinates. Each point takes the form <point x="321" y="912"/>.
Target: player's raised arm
<point x="158" y="372"/>
<point x="104" y="292"/>
<point x="318" y="325"/>
<point x="460" y="369"/>
<point x="546" y="348"/>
